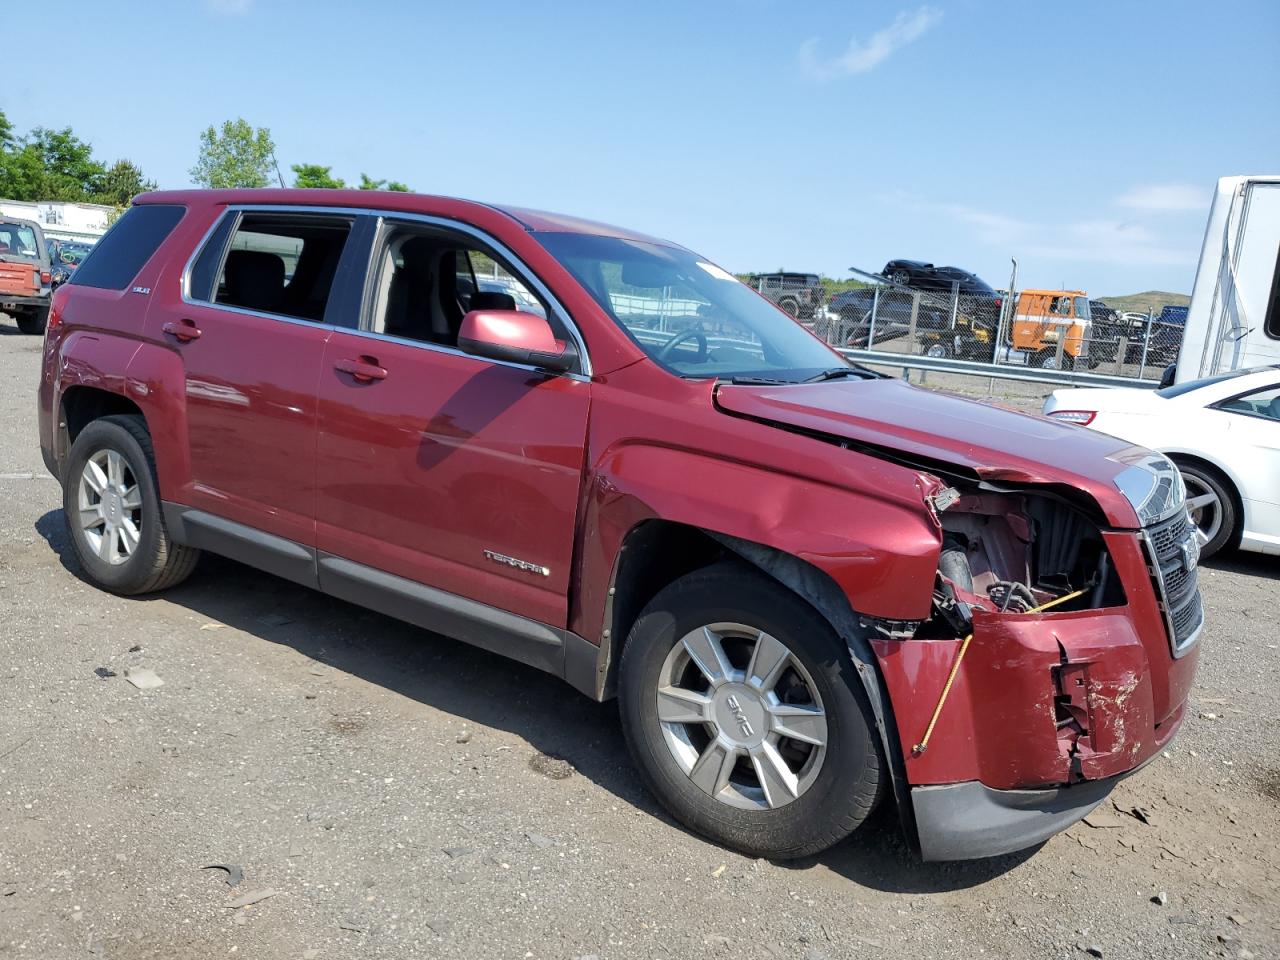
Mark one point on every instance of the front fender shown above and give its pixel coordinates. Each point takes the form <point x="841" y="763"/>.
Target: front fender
<point x="880" y="551"/>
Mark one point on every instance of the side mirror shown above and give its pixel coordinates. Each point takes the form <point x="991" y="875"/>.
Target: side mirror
<point x="515" y="337"/>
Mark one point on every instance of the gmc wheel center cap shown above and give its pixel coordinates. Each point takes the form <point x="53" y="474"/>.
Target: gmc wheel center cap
<point x="741" y="715"/>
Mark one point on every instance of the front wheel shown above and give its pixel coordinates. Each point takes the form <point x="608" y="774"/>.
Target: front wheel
<point x="744" y="715"/>
<point x="112" y="507"/>
<point x="938" y="350"/>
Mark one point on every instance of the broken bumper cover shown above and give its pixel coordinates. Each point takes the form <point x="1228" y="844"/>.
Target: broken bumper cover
<point x="965" y="821"/>
<point x="970" y="821"/>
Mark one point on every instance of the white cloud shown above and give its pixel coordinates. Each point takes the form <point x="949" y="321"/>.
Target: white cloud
<point x="1084" y="240"/>
<point x="232" y="8"/>
<point x="1166" y="197"/>
<point x="864" y="56"/>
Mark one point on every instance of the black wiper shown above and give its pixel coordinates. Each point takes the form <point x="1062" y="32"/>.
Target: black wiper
<point x="835" y="373"/>
<point x="757" y="381"/>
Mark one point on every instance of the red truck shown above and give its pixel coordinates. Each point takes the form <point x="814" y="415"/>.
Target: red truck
<point x="26" y="275"/>
<point x="810" y="587"/>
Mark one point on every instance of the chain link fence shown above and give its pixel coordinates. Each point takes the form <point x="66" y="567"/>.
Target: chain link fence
<point x="1045" y="329"/>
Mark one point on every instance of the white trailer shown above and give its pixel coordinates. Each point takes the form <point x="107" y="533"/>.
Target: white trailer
<point x="1234" y="320"/>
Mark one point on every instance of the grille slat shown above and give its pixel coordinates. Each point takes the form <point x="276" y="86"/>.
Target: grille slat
<point x="1176" y="583"/>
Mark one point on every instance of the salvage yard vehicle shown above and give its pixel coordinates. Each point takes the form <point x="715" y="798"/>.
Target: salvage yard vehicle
<point x="1223" y="433"/>
<point x="1049" y="327"/>
<point x="1233" y="322"/>
<point x="809" y="586"/>
<point x="26" y="276"/>
<point x="800" y="295"/>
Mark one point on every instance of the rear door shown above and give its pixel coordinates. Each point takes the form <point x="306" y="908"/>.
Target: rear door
<point x="442" y="468"/>
<point x="259" y="306"/>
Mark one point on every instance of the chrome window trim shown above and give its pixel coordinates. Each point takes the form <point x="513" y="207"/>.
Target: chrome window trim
<point x="525" y="274"/>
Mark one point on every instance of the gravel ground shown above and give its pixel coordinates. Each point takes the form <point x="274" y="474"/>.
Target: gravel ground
<point x="400" y="795"/>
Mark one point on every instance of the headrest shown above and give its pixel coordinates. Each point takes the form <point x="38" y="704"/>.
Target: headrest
<point x="255" y="279"/>
<point x="489" y="300"/>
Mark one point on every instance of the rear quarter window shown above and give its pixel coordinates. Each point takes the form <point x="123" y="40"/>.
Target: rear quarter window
<point x="121" y="253"/>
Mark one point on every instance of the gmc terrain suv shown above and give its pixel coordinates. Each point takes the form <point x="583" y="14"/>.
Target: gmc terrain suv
<point x="809" y="587"/>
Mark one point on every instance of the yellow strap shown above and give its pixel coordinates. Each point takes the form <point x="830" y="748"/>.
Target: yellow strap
<point x="923" y="745"/>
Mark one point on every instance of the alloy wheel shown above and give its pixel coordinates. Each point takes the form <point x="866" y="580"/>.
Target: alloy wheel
<point x="1204" y="506"/>
<point x="109" y="502"/>
<point x="741" y="716"/>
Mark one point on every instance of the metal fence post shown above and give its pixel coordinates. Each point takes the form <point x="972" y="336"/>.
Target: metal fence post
<point x="1062" y="344"/>
<point x="1122" y="353"/>
<point x="1146" y="345"/>
<point x="875" y="307"/>
<point x="915" y="315"/>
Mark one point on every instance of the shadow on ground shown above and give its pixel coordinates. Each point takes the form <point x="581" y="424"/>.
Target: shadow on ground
<point x="485" y="689"/>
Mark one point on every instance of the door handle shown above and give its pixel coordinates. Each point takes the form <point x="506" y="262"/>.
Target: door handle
<point x="184" y="330"/>
<point x="362" y="369"/>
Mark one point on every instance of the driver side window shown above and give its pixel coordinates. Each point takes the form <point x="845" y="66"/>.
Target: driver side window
<point x="426" y="280"/>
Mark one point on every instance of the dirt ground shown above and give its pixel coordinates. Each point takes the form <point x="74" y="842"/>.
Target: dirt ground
<point x="388" y="793"/>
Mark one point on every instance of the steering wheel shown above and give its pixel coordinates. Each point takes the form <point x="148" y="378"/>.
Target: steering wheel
<point x="681" y="337"/>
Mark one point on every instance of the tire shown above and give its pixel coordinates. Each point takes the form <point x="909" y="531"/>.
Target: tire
<point x="1045" y="360"/>
<point x="155" y="562"/>
<point x="33" y="322"/>
<point x="834" y="791"/>
<point x="901" y="277"/>
<point x="1219" y="520"/>
<point x="938" y="350"/>
<point x="790" y="307"/>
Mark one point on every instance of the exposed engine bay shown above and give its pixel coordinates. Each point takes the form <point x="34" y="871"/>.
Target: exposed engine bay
<point x="1013" y="552"/>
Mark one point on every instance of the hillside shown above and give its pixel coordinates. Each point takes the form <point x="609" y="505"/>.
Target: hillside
<point x="1151" y="300"/>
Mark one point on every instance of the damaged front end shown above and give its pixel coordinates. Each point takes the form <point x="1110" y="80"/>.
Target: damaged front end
<point x="1050" y="666"/>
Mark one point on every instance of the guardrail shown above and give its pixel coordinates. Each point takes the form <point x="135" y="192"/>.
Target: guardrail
<point x="1001" y="371"/>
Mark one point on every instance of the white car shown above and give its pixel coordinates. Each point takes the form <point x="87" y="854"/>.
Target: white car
<point x="1223" y="432"/>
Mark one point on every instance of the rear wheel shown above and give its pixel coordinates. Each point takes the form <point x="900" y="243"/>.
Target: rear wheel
<point x="33" y="321"/>
<point x="112" y="507"/>
<point x="744" y="715"/>
<point x="1212" y="507"/>
<point x="1045" y="360"/>
<point x="789" y="306"/>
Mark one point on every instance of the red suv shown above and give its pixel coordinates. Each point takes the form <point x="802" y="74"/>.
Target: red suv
<point x="809" y="586"/>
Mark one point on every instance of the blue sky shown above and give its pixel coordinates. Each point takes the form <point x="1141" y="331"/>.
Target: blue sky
<point x="1081" y="138"/>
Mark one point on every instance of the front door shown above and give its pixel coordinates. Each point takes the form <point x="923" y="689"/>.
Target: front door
<point x="251" y="336"/>
<point x="442" y="468"/>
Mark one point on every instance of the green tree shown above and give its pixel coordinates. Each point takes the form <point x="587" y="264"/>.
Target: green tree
<point x="236" y="156"/>
<point x="122" y="182"/>
<point x="6" y="132"/>
<point x="315" y="176"/>
<point x="368" y="183"/>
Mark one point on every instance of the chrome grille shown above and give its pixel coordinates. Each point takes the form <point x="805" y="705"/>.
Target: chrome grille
<point x="1172" y="559"/>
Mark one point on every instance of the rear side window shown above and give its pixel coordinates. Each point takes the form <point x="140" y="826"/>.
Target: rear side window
<point x="118" y="256"/>
<point x="280" y="264"/>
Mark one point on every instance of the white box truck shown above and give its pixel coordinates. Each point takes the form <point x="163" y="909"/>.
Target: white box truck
<point x="1234" y="320"/>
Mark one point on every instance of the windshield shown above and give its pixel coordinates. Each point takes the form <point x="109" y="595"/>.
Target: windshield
<point x="689" y="315"/>
<point x="18" y="240"/>
<point x="1178" y="389"/>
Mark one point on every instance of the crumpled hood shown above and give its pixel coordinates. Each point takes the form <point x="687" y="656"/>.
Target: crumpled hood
<point x="997" y="445"/>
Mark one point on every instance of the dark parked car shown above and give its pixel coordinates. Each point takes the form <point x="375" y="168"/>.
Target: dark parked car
<point x="1153" y="340"/>
<point x="798" y="294"/>
<point x="26" y="276"/>
<point x="773" y="559"/>
<point x="977" y="301"/>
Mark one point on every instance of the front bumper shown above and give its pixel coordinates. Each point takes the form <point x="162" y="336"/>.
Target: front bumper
<point x="968" y="821"/>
